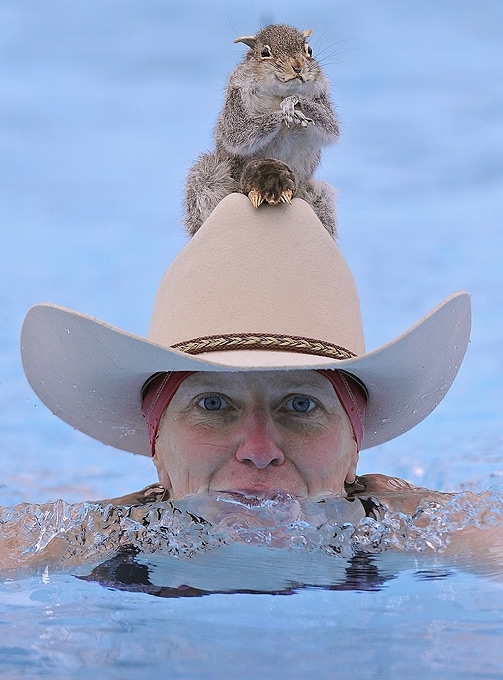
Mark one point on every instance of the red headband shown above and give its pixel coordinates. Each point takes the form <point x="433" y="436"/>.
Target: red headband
<point x="157" y="393"/>
<point x="353" y="398"/>
<point x="160" y="389"/>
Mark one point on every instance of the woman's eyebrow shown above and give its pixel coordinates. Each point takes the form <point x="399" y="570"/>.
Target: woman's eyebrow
<point x="207" y="386"/>
<point x="300" y="385"/>
<point x="284" y="383"/>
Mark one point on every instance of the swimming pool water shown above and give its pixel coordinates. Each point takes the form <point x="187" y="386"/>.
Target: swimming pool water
<point x="433" y="621"/>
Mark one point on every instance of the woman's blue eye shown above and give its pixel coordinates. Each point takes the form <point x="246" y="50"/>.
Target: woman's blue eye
<point x="213" y="403"/>
<point x="301" y="404"/>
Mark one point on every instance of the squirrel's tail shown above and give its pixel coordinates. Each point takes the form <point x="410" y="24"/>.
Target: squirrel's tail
<point x="209" y="180"/>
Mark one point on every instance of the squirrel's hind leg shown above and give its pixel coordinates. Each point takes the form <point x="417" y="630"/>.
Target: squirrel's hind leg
<point x="268" y="179"/>
<point x="209" y="180"/>
<point x="321" y="198"/>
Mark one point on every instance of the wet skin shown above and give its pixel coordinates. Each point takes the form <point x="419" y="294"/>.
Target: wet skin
<point x="255" y="431"/>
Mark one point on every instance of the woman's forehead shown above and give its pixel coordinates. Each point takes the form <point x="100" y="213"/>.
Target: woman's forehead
<point x="276" y="380"/>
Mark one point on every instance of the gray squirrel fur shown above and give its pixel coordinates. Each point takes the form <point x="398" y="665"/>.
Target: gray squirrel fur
<point x="277" y="105"/>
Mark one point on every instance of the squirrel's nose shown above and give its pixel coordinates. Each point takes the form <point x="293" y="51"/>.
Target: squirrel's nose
<point x="297" y="69"/>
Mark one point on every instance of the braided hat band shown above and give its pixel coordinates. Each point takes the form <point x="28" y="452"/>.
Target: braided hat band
<point x="265" y="341"/>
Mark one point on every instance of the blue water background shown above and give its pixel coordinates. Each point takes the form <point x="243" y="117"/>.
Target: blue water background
<point x="103" y="106"/>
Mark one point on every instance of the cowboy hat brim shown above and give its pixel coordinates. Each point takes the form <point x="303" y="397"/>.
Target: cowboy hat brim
<point x="90" y="374"/>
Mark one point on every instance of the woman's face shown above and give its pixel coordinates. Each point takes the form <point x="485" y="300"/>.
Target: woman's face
<point x="253" y="432"/>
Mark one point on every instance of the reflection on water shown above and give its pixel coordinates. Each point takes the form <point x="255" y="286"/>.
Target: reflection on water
<point x="237" y="569"/>
<point x="181" y="544"/>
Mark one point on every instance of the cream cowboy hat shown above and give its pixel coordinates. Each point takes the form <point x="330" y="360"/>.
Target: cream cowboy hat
<point x="252" y="290"/>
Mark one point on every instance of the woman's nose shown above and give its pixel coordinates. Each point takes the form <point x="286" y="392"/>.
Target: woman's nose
<point x="257" y="443"/>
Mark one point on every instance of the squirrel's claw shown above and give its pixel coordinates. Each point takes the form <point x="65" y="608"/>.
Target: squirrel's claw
<point x="286" y="196"/>
<point x="256" y="198"/>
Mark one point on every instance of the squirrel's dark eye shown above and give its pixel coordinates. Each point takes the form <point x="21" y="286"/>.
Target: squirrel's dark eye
<point x="309" y="50"/>
<point x="266" y="51"/>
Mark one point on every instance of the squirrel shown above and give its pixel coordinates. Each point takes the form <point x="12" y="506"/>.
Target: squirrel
<point x="277" y="114"/>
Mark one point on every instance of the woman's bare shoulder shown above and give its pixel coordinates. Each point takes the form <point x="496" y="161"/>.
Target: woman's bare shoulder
<point x="149" y="494"/>
<point x="396" y="493"/>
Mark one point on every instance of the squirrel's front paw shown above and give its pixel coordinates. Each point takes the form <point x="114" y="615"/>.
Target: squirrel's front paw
<point x="301" y="119"/>
<point x="268" y="180"/>
<point x="288" y="109"/>
<point x="292" y="112"/>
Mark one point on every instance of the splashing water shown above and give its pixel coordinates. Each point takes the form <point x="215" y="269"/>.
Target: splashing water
<point x="64" y="534"/>
<point x="432" y="525"/>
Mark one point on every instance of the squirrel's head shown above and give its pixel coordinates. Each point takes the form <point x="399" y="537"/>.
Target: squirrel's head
<point x="284" y="51"/>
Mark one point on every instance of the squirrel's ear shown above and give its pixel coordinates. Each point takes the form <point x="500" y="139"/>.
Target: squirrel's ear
<point x="307" y="32"/>
<point x="249" y="40"/>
